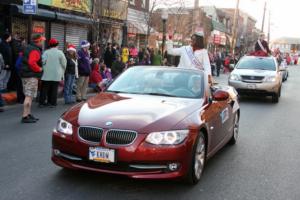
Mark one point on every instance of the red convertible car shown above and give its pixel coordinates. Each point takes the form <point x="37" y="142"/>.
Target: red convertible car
<point x="150" y="123"/>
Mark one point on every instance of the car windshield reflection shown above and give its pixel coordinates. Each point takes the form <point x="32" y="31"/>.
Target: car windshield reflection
<point x="160" y="81"/>
<point x="256" y="63"/>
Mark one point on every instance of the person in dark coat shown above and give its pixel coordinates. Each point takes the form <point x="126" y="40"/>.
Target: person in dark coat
<point x="262" y="46"/>
<point x="218" y="63"/>
<point x="15" y="82"/>
<point x="6" y="51"/>
<point x="108" y="56"/>
<point x="117" y="67"/>
<point x="84" y="70"/>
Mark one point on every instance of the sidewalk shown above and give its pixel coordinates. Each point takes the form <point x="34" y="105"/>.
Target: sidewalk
<point x="10" y="98"/>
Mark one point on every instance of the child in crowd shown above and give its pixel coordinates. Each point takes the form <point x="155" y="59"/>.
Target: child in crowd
<point x="96" y="80"/>
<point x="70" y="74"/>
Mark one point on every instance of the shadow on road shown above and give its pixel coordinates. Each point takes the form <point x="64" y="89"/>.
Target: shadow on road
<point x="258" y="99"/>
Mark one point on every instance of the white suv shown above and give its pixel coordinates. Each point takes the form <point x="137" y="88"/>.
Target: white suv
<point x="254" y="75"/>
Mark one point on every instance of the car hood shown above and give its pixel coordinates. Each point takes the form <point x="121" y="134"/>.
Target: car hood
<point x="141" y="113"/>
<point x="254" y="72"/>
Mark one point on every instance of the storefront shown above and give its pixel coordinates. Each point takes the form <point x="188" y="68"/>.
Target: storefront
<point x="65" y="27"/>
<point x="219" y="37"/>
<point x="113" y="18"/>
<point x="137" y="28"/>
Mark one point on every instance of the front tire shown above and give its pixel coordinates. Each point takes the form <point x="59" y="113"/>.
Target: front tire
<point x="235" y="132"/>
<point x="198" y="160"/>
<point x="275" y="98"/>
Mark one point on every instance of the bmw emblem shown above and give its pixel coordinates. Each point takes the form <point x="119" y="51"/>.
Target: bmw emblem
<point x="108" y="123"/>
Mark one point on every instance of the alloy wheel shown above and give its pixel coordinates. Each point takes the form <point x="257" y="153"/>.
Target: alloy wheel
<point x="199" y="157"/>
<point x="236" y="127"/>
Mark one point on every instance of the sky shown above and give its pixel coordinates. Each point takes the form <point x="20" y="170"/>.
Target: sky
<point x="284" y="14"/>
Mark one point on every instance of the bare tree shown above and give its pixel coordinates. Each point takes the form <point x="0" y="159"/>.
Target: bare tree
<point x="148" y="16"/>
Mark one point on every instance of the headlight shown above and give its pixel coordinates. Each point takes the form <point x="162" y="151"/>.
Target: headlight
<point x="270" y="79"/>
<point x="64" y="127"/>
<point x="167" y="137"/>
<point x="234" y="77"/>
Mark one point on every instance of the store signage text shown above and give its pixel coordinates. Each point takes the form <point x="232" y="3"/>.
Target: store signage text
<point x="29" y="6"/>
<point x="112" y="14"/>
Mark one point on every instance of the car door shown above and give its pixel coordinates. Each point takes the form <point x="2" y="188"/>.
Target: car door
<point x="212" y="118"/>
<point x="218" y="116"/>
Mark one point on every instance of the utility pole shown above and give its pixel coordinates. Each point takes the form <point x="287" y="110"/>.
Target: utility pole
<point x="263" y="20"/>
<point x="234" y="29"/>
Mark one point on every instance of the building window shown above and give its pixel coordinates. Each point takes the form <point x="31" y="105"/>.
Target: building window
<point x="132" y="2"/>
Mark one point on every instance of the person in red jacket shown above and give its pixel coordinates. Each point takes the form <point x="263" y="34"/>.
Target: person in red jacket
<point x="30" y="72"/>
<point x="227" y="64"/>
<point x="95" y="76"/>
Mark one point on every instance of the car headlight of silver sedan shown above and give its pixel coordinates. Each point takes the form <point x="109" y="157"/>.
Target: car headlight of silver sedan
<point x="167" y="137"/>
<point x="270" y="79"/>
<point x="234" y="77"/>
<point x="64" y="127"/>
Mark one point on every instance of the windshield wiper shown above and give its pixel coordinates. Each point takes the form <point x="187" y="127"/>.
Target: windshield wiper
<point x="159" y="94"/>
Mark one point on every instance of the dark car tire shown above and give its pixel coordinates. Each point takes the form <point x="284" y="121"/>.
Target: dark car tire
<point x="235" y="131"/>
<point x="199" y="151"/>
<point x="275" y="98"/>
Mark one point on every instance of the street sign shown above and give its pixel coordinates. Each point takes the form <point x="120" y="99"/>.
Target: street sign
<point x="29" y="6"/>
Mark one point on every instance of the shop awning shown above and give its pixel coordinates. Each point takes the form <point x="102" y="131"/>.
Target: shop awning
<point x="55" y="15"/>
<point x="73" y="18"/>
<point x="138" y="27"/>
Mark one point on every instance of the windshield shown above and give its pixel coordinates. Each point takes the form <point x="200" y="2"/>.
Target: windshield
<point x="159" y="81"/>
<point x="256" y="63"/>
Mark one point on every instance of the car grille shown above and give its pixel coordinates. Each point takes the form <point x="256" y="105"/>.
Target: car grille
<point x="120" y="137"/>
<point x="252" y="78"/>
<point x="90" y="134"/>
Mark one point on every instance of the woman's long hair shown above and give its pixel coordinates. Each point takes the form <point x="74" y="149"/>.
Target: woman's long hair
<point x="199" y="41"/>
<point x="72" y="56"/>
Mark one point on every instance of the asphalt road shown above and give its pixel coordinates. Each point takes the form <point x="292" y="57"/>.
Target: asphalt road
<point x="264" y="164"/>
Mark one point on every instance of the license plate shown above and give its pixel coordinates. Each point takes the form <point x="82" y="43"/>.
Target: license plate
<point x="251" y="86"/>
<point x="102" y="155"/>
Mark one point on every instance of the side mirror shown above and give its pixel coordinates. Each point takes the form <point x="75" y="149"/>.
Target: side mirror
<point x="220" y="95"/>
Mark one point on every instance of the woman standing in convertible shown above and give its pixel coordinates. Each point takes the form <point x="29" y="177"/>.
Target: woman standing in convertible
<point x="193" y="56"/>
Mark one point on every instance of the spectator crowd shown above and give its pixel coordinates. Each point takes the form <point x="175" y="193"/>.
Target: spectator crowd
<point x="40" y="71"/>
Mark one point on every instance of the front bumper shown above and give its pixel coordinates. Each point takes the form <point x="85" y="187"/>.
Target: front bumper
<point x="139" y="160"/>
<point x="264" y="88"/>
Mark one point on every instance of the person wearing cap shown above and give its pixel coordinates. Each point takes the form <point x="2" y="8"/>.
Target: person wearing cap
<point x="262" y="46"/>
<point x="30" y="72"/>
<point x="6" y="51"/>
<point x="54" y="66"/>
<point x="70" y="74"/>
<point x="84" y="70"/>
<point x="193" y="56"/>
